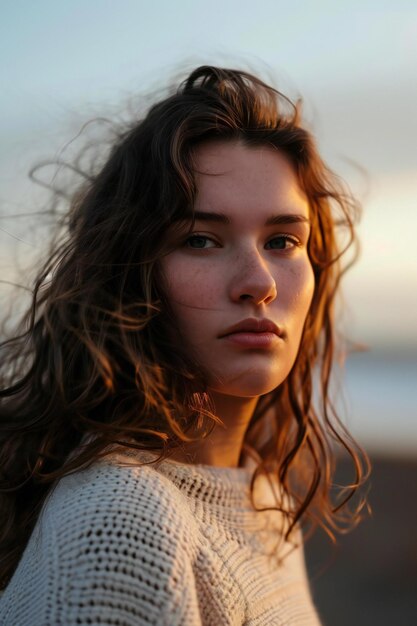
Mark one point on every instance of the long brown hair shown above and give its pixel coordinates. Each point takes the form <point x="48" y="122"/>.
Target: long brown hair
<point x="96" y="353"/>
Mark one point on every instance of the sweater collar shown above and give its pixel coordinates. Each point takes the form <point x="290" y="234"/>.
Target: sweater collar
<point x="226" y="486"/>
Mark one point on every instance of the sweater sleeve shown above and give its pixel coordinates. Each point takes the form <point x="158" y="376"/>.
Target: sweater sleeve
<point x="122" y="557"/>
<point x="109" y="549"/>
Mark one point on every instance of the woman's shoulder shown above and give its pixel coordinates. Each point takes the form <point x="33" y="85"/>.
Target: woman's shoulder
<point x="117" y="514"/>
<point x="113" y="489"/>
<point x="113" y="540"/>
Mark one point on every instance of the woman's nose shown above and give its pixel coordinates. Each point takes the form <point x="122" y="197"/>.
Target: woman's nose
<point x="253" y="280"/>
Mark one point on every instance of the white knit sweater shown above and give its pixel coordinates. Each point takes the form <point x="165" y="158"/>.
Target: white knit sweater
<point x="170" y="545"/>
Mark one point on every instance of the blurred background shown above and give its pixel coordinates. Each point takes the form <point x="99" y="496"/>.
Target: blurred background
<point x="354" y="64"/>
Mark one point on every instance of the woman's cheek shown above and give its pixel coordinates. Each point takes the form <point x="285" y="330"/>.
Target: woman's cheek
<point x="307" y="288"/>
<point x="190" y="286"/>
<point x="301" y="287"/>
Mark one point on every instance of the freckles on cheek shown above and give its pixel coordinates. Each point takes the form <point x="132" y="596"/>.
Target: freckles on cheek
<point x="302" y="280"/>
<point x="190" y="288"/>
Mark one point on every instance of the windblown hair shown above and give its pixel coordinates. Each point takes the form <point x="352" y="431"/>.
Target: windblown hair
<point x="97" y="361"/>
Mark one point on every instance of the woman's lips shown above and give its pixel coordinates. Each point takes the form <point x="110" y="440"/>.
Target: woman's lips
<point x="254" y="325"/>
<point x="253" y="339"/>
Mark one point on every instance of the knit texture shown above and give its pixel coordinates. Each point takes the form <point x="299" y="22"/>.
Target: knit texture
<point x="166" y="545"/>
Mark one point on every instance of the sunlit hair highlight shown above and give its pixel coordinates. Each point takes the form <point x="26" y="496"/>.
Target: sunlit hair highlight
<point x="97" y="361"/>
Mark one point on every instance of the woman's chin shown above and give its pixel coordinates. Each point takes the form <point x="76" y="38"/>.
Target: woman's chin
<point x="248" y="386"/>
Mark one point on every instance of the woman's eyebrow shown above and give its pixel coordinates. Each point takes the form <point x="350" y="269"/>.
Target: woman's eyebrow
<point x="221" y="218"/>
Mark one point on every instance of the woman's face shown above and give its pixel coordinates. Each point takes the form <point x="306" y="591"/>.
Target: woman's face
<point x="249" y="263"/>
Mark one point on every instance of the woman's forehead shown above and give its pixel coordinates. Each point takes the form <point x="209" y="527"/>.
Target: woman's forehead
<point x="233" y="178"/>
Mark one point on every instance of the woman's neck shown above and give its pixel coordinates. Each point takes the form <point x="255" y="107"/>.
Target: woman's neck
<point x="223" y="447"/>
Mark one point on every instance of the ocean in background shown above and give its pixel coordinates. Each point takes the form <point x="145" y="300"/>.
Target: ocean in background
<point x="380" y="401"/>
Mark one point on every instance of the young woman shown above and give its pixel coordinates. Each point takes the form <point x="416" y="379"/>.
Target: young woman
<point x="160" y="446"/>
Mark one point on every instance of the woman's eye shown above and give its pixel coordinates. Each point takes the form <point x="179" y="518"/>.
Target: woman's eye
<point x="283" y="242"/>
<point x="198" y="242"/>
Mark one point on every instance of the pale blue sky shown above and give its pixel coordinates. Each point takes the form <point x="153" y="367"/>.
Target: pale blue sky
<point x="354" y="62"/>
